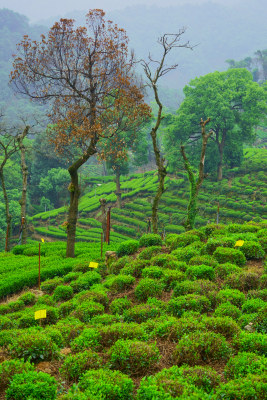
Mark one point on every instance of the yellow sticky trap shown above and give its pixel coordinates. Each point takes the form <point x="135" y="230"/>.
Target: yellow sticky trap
<point x="239" y="243"/>
<point x="93" y="265"/>
<point x="42" y="240"/>
<point x="40" y="314"/>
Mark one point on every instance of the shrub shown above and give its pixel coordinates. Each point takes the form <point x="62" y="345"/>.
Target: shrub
<point x="49" y="285"/>
<point x="115" y="266"/>
<point x="185" y="254"/>
<point x="75" y="365"/>
<point x="253" y="305"/>
<point x="70" y="328"/>
<point x="133" y="357"/>
<point x="127" y="248"/>
<point x="244" y="280"/>
<point x="26" y="321"/>
<point x="233" y="296"/>
<point x="223" y="270"/>
<point x="171" y="278"/>
<point x="226" y="326"/>
<point x="88" y="309"/>
<point x="252" y="250"/>
<point x="108" y="385"/>
<point x="111" y="333"/>
<point x="32" y="385"/>
<point x="227" y="310"/>
<point x="200" y="272"/>
<point x="141" y="313"/>
<point x="149" y="252"/>
<point x="135" y="268"/>
<point x="105" y="319"/>
<point x="14" y="306"/>
<point x="45" y="299"/>
<point x="243" y="364"/>
<point x="118" y="306"/>
<point x="89" y="338"/>
<point x="66" y="308"/>
<point x="194" y="302"/>
<point x="251" y="342"/>
<point x="198" y="347"/>
<point x="188" y="287"/>
<point x="119" y="283"/>
<point x="97" y="293"/>
<point x="63" y="293"/>
<point x="206" y="260"/>
<point x="214" y="242"/>
<point x="234" y="256"/>
<point x="184" y="239"/>
<point x="6" y="323"/>
<point x="164" y="260"/>
<point x="71" y="276"/>
<point x="28" y="298"/>
<point x="150" y="239"/>
<point x="171" y="384"/>
<point x="55" y="335"/>
<point x="33" y="346"/>
<point x="260" y="321"/>
<point x="85" y="281"/>
<point x="247" y="388"/>
<point x="148" y="288"/>
<point x="9" y="368"/>
<point x="153" y="272"/>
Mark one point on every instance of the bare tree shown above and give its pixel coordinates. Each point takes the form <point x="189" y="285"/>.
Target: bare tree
<point x="154" y="70"/>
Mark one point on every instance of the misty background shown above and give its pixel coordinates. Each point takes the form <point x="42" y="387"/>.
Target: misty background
<point x="219" y="30"/>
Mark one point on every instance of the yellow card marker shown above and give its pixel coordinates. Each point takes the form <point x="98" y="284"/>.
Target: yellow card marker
<point x="40" y="314"/>
<point x="93" y="265"/>
<point x="42" y="240"/>
<point x="239" y="243"/>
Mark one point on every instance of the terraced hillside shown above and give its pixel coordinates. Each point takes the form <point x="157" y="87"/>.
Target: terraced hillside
<point x="242" y="197"/>
<point x="183" y="319"/>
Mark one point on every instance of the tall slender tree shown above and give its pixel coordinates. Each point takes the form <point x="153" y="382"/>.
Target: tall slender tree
<point x="154" y="70"/>
<point x="88" y="76"/>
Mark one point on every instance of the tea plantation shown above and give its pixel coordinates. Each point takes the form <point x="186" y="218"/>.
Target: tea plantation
<point x="183" y="318"/>
<point x="241" y="197"/>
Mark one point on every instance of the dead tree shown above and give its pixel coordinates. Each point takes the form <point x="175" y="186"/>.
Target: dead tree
<point x="168" y="42"/>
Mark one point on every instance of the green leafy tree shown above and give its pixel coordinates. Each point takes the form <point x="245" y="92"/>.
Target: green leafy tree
<point x="234" y="102"/>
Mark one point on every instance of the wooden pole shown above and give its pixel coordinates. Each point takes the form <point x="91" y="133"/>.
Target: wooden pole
<point x="39" y="275"/>
<point x="108" y="225"/>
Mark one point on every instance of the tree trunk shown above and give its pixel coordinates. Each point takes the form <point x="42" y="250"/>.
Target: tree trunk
<point x="118" y="188"/>
<point x="220" y="165"/>
<point x="74" y="190"/>
<point x="23" y="200"/>
<point x="155" y="205"/>
<point x="8" y="215"/>
<point x="195" y="185"/>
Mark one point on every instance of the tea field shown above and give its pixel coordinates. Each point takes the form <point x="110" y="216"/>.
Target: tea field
<point x="241" y="197"/>
<point x="182" y="319"/>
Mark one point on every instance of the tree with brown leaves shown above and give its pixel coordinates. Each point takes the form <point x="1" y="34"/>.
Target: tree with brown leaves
<point x="87" y="75"/>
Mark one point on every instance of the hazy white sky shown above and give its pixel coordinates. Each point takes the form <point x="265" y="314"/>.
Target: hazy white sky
<point x="37" y="10"/>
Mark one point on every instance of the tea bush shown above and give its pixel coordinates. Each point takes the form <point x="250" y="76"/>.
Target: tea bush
<point x="247" y="388"/>
<point x="148" y="288"/>
<point x="88" y="339"/>
<point x="9" y="368"/>
<point x="226" y="326"/>
<point x="244" y="280"/>
<point x="195" y="272"/>
<point x="133" y="357"/>
<point x="119" y="283"/>
<point x="28" y="298"/>
<point x="88" y="309"/>
<point x="85" y="281"/>
<point x="75" y="365"/>
<point x="206" y="260"/>
<point x="252" y="250"/>
<point x="118" y="306"/>
<point x="227" y="310"/>
<point x="252" y="305"/>
<point x="152" y="272"/>
<point x="194" y="302"/>
<point x="141" y="313"/>
<point x="149" y="252"/>
<point x="171" y="278"/>
<point x="186" y="253"/>
<point x="150" y="239"/>
<point x="214" y="242"/>
<point x="234" y="256"/>
<point x="184" y="239"/>
<point x="62" y="293"/>
<point x="127" y="248"/>
<point x="32" y="385"/>
<point x="6" y="323"/>
<point x="223" y="270"/>
<point x="200" y="286"/>
<point x="198" y="347"/>
<point x="108" y="335"/>
<point x="33" y="346"/>
<point x="251" y="342"/>
<point x="106" y="385"/>
<point x="233" y="296"/>
<point x="243" y="364"/>
<point x="49" y="285"/>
